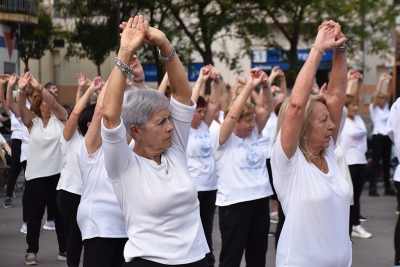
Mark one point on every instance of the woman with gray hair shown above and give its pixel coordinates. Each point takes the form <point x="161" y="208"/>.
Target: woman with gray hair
<point x="314" y="194"/>
<point x="152" y="182"/>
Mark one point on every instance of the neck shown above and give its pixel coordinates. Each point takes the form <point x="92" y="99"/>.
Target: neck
<point x="350" y="117"/>
<point x="147" y="153"/>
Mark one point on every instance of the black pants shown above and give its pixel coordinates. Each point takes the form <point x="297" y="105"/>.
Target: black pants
<point x="207" y="210"/>
<point x="381" y="150"/>
<point x="38" y="191"/>
<point x="244" y="226"/>
<point x="271" y="180"/>
<point x="103" y="252"/>
<point x="357" y="172"/>
<point x="139" y="262"/>
<point x="16" y="166"/>
<point x="67" y="204"/>
<point x="397" y="230"/>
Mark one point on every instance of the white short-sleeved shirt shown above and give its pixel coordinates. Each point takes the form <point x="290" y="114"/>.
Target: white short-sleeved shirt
<point x="214" y="133"/>
<point x="99" y="214"/>
<point x="393" y="125"/>
<point x="71" y="179"/>
<point x="44" y="153"/>
<point x="353" y="140"/>
<point x="200" y="158"/>
<point x="316" y="206"/>
<point x="16" y="126"/>
<point x="379" y="119"/>
<point x="268" y="135"/>
<point x="241" y="168"/>
<point x="161" y="208"/>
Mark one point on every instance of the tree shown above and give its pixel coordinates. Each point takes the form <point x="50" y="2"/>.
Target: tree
<point x="91" y="40"/>
<point x="35" y="39"/>
<point x="363" y="21"/>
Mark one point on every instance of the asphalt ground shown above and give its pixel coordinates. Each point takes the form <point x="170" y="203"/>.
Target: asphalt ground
<point x="376" y="251"/>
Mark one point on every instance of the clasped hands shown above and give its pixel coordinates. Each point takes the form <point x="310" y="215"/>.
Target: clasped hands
<point x="330" y="36"/>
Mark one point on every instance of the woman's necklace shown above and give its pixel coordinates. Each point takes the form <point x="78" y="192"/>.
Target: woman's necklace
<point x="165" y="167"/>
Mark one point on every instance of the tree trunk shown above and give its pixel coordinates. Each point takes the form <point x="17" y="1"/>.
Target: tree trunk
<point x="208" y="59"/>
<point x="294" y="62"/>
<point x="98" y="69"/>
<point x="26" y="65"/>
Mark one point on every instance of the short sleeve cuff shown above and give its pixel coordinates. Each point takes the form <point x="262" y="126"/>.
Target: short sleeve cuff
<point x="113" y="135"/>
<point x="180" y="111"/>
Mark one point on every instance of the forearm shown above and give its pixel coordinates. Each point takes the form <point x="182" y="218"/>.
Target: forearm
<point x="180" y="87"/>
<point x="54" y="106"/>
<point x="263" y="113"/>
<point x="115" y="93"/>
<point x="163" y="85"/>
<point x="2" y="100"/>
<point x="79" y="94"/>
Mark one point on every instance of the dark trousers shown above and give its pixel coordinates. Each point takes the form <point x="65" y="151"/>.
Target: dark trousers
<point x="357" y="172"/>
<point x="397" y="230"/>
<point x="381" y="150"/>
<point x="207" y="210"/>
<point x="16" y="166"/>
<point x="40" y="191"/>
<point x="244" y="226"/>
<point x="139" y="262"/>
<point x="103" y="252"/>
<point x="67" y="204"/>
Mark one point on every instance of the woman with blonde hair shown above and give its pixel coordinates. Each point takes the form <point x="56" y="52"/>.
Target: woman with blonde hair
<point x="314" y="194"/>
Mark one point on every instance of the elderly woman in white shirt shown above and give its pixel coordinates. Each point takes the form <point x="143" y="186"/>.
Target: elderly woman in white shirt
<point x="243" y="184"/>
<point x="152" y="182"/>
<point x="314" y="194"/>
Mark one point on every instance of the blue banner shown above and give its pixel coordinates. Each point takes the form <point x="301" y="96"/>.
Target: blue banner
<point x="150" y="72"/>
<point x="194" y="71"/>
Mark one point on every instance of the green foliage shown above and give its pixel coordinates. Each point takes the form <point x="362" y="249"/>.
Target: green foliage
<point x="35" y="39"/>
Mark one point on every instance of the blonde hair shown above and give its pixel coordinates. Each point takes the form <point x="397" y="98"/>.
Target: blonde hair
<point x="246" y="111"/>
<point x="309" y="116"/>
<point x="35" y="104"/>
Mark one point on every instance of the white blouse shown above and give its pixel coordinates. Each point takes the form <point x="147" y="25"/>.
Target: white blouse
<point x="159" y="202"/>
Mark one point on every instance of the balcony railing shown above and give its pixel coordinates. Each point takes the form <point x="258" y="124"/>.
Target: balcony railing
<point x="19" y="6"/>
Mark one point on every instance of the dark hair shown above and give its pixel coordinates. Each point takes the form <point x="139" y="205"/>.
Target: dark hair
<point x="85" y="117"/>
<point x="201" y="102"/>
<point x="48" y="85"/>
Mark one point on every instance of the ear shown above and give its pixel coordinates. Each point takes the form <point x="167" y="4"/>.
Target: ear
<point x="136" y="132"/>
<point x="88" y="124"/>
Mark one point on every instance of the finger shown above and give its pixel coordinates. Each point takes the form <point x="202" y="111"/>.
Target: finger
<point x="141" y="19"/>
<point x="341" y="41"/>
<point x="135" y="21"/>
<point x="129" y="23"/>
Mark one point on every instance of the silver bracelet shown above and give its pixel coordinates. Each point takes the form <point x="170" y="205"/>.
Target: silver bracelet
<point x="340" y="49"/>
<point x="20" y="91"/>
<point x="125" y="69"/>
<point x="170" y="56"/>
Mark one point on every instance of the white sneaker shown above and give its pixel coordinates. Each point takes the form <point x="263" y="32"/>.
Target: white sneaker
<point x="24" y="228"/>
<point x="49" y="225"/>
<point x="359" y="231"/>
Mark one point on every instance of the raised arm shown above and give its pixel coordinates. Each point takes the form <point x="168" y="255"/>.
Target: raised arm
<point x="263" y="113"/>
<point x="82" y="81"/>
<point x="204" y="74"/>
<point x="72" y="123"/>
<point x="291" y="126"/>
<point x="54" y="106"/>
<point x="213" y="101"/>
<point x="255" y="76"/>
<point x="360" y="91"/>
<point x="93" y="137"/>
<point x="131" y="39"/>
<point x="164" y="83"/>
<point x="12" y="105"/>
<point x="375" y="95"/>
<point x="3" y="80"/>
<point x="26" y="115"/>
<point x="282" y="90"/>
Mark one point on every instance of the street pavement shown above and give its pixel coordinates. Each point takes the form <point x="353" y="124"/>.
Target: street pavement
<point x="377" y="251"/>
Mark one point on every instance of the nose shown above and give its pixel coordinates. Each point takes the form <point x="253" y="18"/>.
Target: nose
<point x="169" y="127"/>
<point x="331" y="125"/>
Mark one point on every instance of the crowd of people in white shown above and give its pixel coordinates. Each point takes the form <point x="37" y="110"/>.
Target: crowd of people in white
<point x="136" y="177"/>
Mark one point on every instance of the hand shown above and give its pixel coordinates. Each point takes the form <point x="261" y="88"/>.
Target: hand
<point x="132" y="38"/>
<point x="281" y="73"/>
<point x="204" y="74"/>
<point x="315" y="88"/>
<point x="275" y="88"/>
<point x="215" y="74"/>
<point x="13" y="80"/>
<point x="240" y="81"/>
<point x="323" y="91"/>
<point x="24" y="80"/>
<point x="274" y="73"/>
<point x="359" y="76"/>
<point x="34" y="84"/>
<point x="351" y="74"/>
<point x="385" y="76"/>
<point x="4" y="78"/>
<point x="257" y="76"/>
<point x="82" y="80"/>
<point x="158" y="38"/>
<point x="329" y="37"/>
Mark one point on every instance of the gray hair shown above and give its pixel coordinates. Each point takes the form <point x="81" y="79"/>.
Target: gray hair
<point x="139" y="105"/>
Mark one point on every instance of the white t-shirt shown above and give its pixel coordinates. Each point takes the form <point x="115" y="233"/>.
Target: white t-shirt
<point x="200" y="158"/>
<point x="71" y="179"/>
<point x="241" y="168"/>
<point x="316" y="206"/>
<point x="25" y="137"/>
<point x="379" y="119"/>
<point x="214" y="133"/>
<point x="16" y="126"/>
<point x="99" y="214"/>
<point x="2" y="140"/>
<point x="393" y="125"/>
<point x="353" y="141"/>
<point x="161" y="208"/>
<point x="44" y="153"/>
<point x="268" y="135"/>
